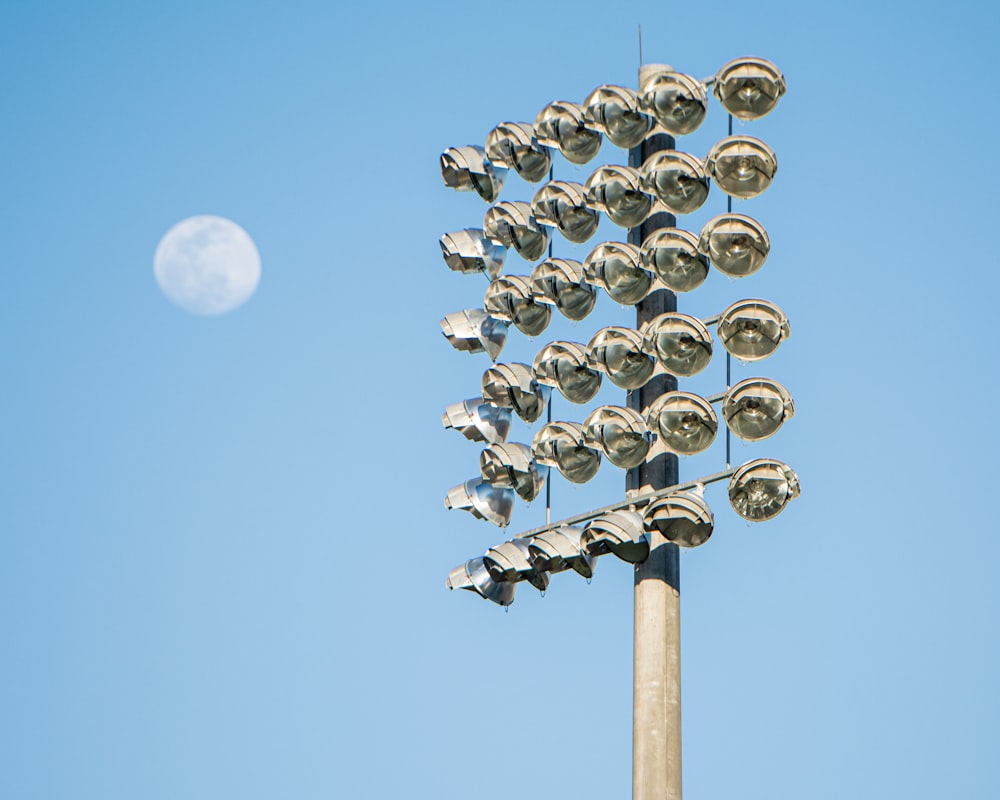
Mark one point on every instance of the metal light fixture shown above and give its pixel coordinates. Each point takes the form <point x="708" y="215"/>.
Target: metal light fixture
<point x="511" y="562"/>
<point x="743" y="166"/>
<point x="562" y="124"/>
<point x="615" y="111"/>
<point x="752" y="329"/>
<point x="470" y="251"/>
<point x="621" y="433"/>
<point x="563" y="445"/>
<point x="756" y="408"/>
<point x="512" y="466"/>
<point x="618" y="192"/>
<point x="559" y="550"/>
<point x="514" y="386"/>
<point x="512" y="224"/>
<point x="683" y="518"/>
<point x="678" y="180"/>
<point x="478" y="420"/>
<point x="474" y="331"/>
<point x="560" y="282"/>
<point x="735" y="244"/>
<point x="513" y="144"/>
<point x="673" y="256"/>
<point x="761" y="489"/>
<point x="563" y="205"/>
<point x="467" y="168"/>
<point x="483" y="500"/>
<point x="685" y="422"/>
<point x="681" y="343"/>
<point x="618" y="353"/>
<point x="677" y="101"/>
<point x="564" y="365"/>
<point x="474" y="577"/>
<point x="511" y="298"/>
<point x="621" y="533"/>
<point x="617" y="268"/>
<point x="749" y="88"/>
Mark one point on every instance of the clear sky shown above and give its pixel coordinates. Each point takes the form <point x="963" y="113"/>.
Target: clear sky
<point x="222" y="540"/>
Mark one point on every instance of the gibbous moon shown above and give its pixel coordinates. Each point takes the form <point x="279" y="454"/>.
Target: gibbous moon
<point x="207" y="265"/>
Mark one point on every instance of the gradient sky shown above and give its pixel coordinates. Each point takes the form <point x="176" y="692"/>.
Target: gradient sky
<point x="222" y="540"/>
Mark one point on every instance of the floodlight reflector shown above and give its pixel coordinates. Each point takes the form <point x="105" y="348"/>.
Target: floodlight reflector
<point x="683" y="518"/>
<point x="467" y="169"/>
<point x="752" y="329"/>
<point x="513" y="144"/>
<point x="614" y="110"/>
<point x="677" y="101"/>
<point x="512" y="466"/>
<point x="560" y="550"/>
<point x="618" y="353"/>
<point x="735" y="243"/>
<point x="761" y="489"/>
<point x="618" y="192"/>
<point x="621" y="433"/>
<point x="512" y="224"/>
<point x="470" y="251"/>
<point x="563" y="205"/>
<point x="685" y="422"/>
<point x="617" y="268"/>
<point x="678" y="180"/>
<point x="510" y="298"/>
<point x="756" y="408"/>
<point x="474" y="577"/>
<point x="673" y="256"/>
<point x="743" y="166"/>
<point x="510" y="562"/>
<point x="560" y="282"/>
<point x="681" y="343"/>
<point x="514" y="386"/>
<point x="478" y="420"/>
<point x="618" y="532"/>
<point x="563" y="445"/>
<point x="561" y="124"/>
<point x="564" y="365"/>
<point x="474" y="331"/>
<point x="749" y="88"/>
<point x="484" y="501"/>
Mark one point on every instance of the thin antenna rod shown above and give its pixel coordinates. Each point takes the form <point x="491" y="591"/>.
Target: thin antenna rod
<point x="641" y="62"/>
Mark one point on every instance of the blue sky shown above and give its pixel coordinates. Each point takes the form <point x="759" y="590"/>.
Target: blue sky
<point x="222" y="540"/>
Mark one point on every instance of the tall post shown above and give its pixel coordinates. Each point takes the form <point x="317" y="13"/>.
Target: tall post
<point x="656" y="680"/>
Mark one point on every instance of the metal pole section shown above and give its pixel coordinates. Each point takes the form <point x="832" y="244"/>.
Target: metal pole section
<point x="656" y="677"/>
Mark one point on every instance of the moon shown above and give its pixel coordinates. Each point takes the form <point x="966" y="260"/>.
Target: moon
<point x="207" y="265"/>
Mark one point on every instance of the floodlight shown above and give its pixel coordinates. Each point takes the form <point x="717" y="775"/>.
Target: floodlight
<point x="561" y="124"/>
<point x="484" y="501"/>
<point x="474" y="331"/>
<point x="735" y="243"/>
<point x="742" y="165"/>
<point x="563" y="445"/>
<point x="560" y="550"/>
<point x="513" y="386"/>
<point x="618" y="192"/>
<point x="617" y="268"/>
<point x="467" y="168"/>
<point x="761" y="489"/>
<point x="677" y="179"/>
<point x="560" y="282"/>
<point x="672" y="254"/>
<point x="563" y="205"/>
<point x="469" y="251"/>
<point x="615" y="111"/>
<point x="513" y="144"/>
<point x="620" y="533"/>
<point x="755" y="408"/>
<point x="683" y="518"/>
<point x="618" y="353"/>
<point x="621" y="433"/>
<point x="685" y="422"/>
<point x="512" y="224"/>
<point x="681" y="343"/>
<point x="564" y="365"/>
<point x="478" y="420"/>
<point x="749" y="88"/>
<point x="510" y="562"/>
<point x="752" y="329"/>
<point x="512" y="466"/>
<point x="473" y="576"/>
<point x="510" y="298"/>
<point x="677" y="101"/>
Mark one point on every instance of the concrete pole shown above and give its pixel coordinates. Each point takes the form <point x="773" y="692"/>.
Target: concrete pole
<point x="656" y="680"/>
